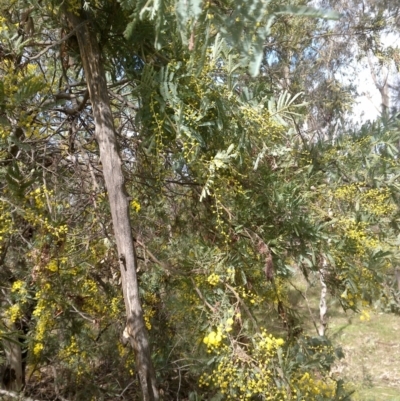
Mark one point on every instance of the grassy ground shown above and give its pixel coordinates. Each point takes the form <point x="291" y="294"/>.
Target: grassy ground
<point x="372" y="354"/>
<point x="371" y="347"/>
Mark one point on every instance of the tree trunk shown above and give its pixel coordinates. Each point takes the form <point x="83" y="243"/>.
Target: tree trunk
<point x="13" y="375"/>
<point x="323" y="308"/>
<point x="135" y="330"/>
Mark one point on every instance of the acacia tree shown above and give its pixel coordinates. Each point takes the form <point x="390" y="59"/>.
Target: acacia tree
<point x="135" y="331"/>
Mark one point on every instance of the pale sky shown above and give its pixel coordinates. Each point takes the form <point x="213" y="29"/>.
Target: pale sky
<point x="369" y="103"/>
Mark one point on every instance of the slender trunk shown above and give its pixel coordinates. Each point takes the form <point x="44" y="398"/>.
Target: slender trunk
<point x="13" y="372"/>
<point x="397" y="276"/>
<point x="382" y="87"/>
<point x="135" y="330"/>
<point x="323" y="308"/>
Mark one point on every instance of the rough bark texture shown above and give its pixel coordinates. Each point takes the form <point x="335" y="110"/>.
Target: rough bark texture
<point x="115" y="183"/>
<point x="13" y="376"/>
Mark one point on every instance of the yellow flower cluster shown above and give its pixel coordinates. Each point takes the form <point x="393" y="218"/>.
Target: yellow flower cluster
<point x="252" y="297"/>
<point x="213" y="339"/>
<point x="240" y="382"/>
<point x="228" y="323"/>
<point x="128" y="356"/>
<point x="3" y="26"/>
<point x="15" y="80"/>
<point x="38" y="348"/>
<point x="346" y="192"/>
<point x="75" y="357"/>
<point x="148" y="313"/>
<point x="135" y="205"/>
<point x="351" y="147"/>
<point x="37" y="212"/>
<point x="52" y="266"/>
<point x="6" y="223"/>
<point x="94" y="302"/>
<point x="360" y="238"/>
<point x="74" y="6"/>
<point x="375" y="201"/>
<point x="261" y="119"/>
<point x="349" y="297"/>
<point x="14" y="312"/>
<point x="213" y="279"/>
<point x="268" y="344"/>
<point x="365" y="316"/>
<point x="19" y="287"/>
<point x="70" y="350"/>
<point x="4" y="133"/>
<point x="44" y="325"/>
<point x="366" y="274"/>
<point x="246" y="372"/>
<point x="38" y="196"/>
<point x="115" y="307"/>
<point x="312" y="388"/>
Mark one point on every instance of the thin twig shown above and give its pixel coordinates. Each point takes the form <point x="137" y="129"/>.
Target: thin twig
<point x="202" y="297"/>
<point x="169" y="269"/>
<point x="244" y="307"/>
<point x="82" y="315"/>
<point x="66" y="37"/>
<point x="308" y="305"/>
<point x="126" y="388"/>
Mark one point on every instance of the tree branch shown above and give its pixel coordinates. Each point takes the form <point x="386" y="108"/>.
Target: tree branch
<point x="66" y="37"/>
<point x="17" y="396"/>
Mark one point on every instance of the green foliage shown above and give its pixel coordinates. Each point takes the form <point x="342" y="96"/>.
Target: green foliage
<point x="243" y="25"/>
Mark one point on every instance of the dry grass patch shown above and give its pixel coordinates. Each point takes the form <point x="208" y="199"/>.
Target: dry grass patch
<point x="372" y="354"/>
<point x="372" y="347"/>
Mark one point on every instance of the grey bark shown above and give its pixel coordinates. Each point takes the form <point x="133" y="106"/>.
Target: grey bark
<point x="397" y="275"/>
<point x="13" y="372"/>
<point x="323" y="308"/>
<point x="382" y="87"/>
<point x="135" y="330"/>
<point x="10" y="395"/>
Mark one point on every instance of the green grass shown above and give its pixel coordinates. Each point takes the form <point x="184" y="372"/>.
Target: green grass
<point x="372" y="348"/>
